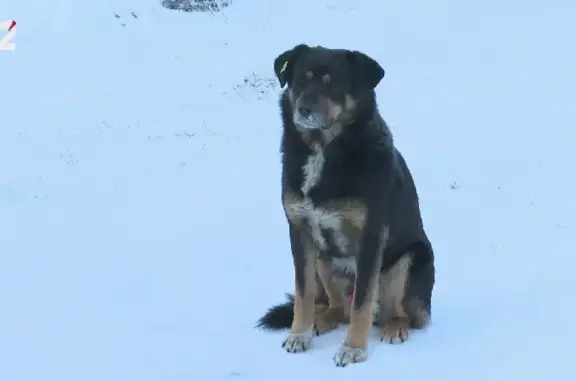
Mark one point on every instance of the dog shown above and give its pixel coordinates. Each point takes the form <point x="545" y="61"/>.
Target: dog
<point x="359" y="248"/>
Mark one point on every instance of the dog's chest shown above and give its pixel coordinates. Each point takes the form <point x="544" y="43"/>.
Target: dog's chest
<point x="327" y="222"/>
<point x="325" y="225"/>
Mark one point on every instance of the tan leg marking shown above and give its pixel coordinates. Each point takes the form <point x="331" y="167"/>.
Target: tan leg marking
<point x="354" y="348"/>
<point x="300" y="337"/>
<point x="361" y="320"/>
<point x="304" y="300"/>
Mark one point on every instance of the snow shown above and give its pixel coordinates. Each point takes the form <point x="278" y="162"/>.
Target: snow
<point x="141" y="229"/>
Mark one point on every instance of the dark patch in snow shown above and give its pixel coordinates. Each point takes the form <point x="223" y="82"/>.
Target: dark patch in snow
<point x="254" y="84"/>
<point x="196" y="5"/>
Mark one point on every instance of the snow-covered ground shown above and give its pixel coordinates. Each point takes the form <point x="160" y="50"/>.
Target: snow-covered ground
<point x="141" y="230"/>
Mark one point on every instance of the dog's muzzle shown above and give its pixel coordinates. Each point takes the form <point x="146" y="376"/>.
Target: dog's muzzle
<point x="305" y="117"/>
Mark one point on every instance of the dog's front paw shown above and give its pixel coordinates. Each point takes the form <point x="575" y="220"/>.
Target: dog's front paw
<point x="347" y="355"/>
<point x="297" y="342"/>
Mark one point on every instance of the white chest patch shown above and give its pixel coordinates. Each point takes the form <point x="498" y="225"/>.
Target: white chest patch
<point x="318" y="218"/>
<point x="312" y="171"/>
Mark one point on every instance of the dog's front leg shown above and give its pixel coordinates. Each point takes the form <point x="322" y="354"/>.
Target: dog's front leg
<point x="365" y="295"/>
<point x="304" y="255"/>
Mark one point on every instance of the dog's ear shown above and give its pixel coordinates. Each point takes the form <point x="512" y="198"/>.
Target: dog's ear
<point x="366" y="68"/>
<point x="284" y="63"/>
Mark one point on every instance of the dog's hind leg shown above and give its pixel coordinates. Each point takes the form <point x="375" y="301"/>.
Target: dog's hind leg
<point x="393" y="319"/>
<point x="405" y="293"/>
<point x="304" y="254"/>
<point x="328" y="319"/>
<point x="418" y="299"/>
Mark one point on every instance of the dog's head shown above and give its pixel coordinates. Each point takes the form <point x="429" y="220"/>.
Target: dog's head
<point x="326" y="86"/>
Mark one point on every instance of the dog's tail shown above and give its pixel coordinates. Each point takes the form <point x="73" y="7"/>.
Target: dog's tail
<point x="279" y="316"/>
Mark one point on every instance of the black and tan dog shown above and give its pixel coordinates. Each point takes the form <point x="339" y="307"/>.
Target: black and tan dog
<point x="351" y="205"/>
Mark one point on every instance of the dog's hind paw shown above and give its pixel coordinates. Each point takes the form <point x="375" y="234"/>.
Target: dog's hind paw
<point x="297" y="342"/>
<point x="328" y="320"/>
<point x="396" y="331"/>
<point x="348" y="355"/>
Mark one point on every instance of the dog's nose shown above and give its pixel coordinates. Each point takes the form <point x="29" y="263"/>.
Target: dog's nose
<point x="304" y="112"/>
